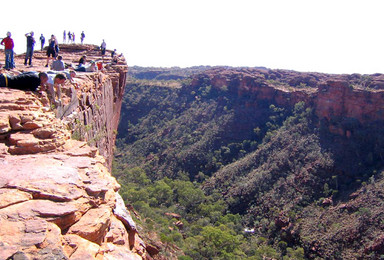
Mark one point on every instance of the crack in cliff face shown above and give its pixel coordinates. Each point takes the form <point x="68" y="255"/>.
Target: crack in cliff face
<point x="57" y="196"/>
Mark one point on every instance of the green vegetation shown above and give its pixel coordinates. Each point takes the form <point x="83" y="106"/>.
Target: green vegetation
<point x="221" y="162"/>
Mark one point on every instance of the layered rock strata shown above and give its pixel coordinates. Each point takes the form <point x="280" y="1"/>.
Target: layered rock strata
<point x="334" y="98"/>
<point x="58" y="199"/>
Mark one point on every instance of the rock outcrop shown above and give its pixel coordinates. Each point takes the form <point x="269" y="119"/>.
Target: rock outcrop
<point x="334" y="98"/>
<point x="58" y="199"/>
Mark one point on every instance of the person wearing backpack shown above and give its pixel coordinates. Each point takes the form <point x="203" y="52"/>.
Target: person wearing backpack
<point x="51" y="51"/>
<point x="8" y="44"/>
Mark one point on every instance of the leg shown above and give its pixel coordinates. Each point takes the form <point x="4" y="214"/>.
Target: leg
<point x="7" y="58"/>
<point x="30" y="56"/>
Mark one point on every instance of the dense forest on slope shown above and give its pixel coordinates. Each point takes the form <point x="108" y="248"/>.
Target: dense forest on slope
<point x="214" y="177"/>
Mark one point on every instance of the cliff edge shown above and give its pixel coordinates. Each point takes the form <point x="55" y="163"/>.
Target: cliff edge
<point x="58" y="199"/>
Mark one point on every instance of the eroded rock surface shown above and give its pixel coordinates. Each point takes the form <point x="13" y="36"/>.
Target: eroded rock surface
<point x="58" y="199"/>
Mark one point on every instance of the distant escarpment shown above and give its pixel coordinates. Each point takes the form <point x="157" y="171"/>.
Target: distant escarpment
<point x="299" y="156"/>
<point x="58" y="199"/>
<point x="334" y="98"/>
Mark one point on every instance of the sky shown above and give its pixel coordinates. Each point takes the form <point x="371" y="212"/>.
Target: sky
<point x="330" y="36"/>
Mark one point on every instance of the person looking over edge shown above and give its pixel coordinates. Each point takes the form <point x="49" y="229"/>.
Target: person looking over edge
<point x="30" y="44"/>
<point x="8" y="44"/>
<point x="42" y="41"/>
<point x="24" y="81"/>
<point x="53" y="87"/>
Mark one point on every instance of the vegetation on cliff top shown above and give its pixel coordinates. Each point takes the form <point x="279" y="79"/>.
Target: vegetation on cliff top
<point x="223" y="165"/>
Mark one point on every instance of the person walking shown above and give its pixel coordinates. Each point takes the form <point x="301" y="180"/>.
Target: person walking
<point x="8" y="44"/>
<point x="42" y="41"/>
<point x="30" y="45"/>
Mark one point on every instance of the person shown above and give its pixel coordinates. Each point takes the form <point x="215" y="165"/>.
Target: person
<point x="91" y="67"/>
<point x="51" y="51"/>
<point x="42" y="41"/>
<point x="24" y="81"/>
<point x="69" y="36"/>
<point x="103" y="47"/>
<point x="83" y="60"/>
<point x="114" y="57"/>
<point x="58" y="64"/>
<point x="73" y="37"/>
<point x="82" y="36"/>
<point x="64" y="36"/>
<point x="30" y="45"/>
<point x="53" y="87"/>
<point x="8" y="44"/>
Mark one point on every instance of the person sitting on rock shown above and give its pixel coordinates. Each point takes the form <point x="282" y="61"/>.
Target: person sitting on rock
<point x="58" y="64"/>
<point x="24" y="81"/>
<point x="92" y="67"/>
<point x="83" y="60"/>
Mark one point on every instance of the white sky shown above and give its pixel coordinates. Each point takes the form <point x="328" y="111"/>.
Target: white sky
<point x="332" y="36"/>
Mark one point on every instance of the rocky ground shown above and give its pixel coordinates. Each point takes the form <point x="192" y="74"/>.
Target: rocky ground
<point x="57" y="197"/>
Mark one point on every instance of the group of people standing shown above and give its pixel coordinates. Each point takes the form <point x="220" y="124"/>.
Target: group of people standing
<point x="71" y="37"/>
<point x="52" y="50"/>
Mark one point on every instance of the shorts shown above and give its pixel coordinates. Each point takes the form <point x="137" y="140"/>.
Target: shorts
<point x="51" y="52"/>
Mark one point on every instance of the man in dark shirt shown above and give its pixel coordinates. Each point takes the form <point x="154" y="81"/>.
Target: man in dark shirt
<point x="24" y="81"/>
<point x="30" y="44"/>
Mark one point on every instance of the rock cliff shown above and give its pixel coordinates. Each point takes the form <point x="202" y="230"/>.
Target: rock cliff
<point x="58" y="199"/>
<point x="334" y="98"/>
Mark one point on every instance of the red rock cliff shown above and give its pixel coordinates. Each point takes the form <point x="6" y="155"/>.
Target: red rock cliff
<point x="58" y="199"/>
<point x="333" y="97"/>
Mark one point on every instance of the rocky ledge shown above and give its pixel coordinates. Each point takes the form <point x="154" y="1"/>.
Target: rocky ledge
<point x="58" y="199"/>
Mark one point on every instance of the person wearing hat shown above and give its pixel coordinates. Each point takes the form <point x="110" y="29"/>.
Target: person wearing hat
<point x="8" y="44"/>
<point x="30" y="44"/>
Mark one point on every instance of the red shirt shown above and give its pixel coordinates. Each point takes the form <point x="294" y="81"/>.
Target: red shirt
<point x="8" y="43"/>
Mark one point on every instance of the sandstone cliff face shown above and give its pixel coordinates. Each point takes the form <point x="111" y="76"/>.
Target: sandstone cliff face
<point x="58" y="199"/>
<point x="333" y="97"/>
